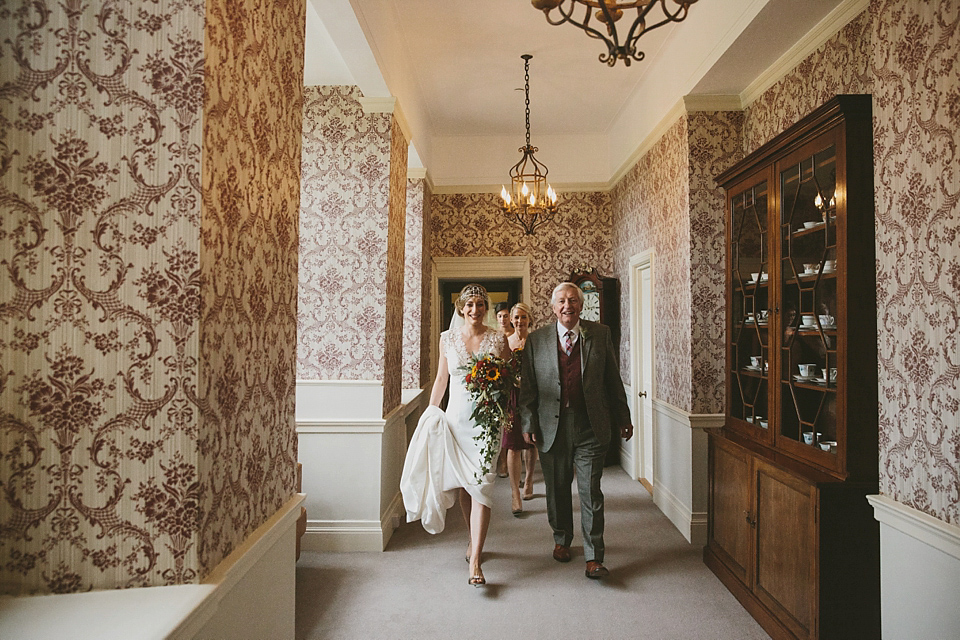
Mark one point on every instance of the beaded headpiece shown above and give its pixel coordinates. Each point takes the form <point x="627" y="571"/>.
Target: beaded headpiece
<point x="472" y="291"/>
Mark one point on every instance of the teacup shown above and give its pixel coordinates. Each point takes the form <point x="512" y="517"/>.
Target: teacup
<point x="810" y="225"/>
<point x="763" y="314"/>
<point x="754" y="277"/>
<point x="826" y="321"/>
<point x="808" y="320"/>
<point x="749" y="418"/>
<point x="807" y="370"/>
<point x="763" y="423"/>
<point x="828" y="445"/>
<point x="808" y="437"/>
<point x="810" y="267"/>
<point x="755" y="361"/>
<point x="833" y="374"/>
<point x="829" y="265"/>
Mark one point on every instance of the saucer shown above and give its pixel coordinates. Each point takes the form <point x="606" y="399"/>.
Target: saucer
<point x="829" y="270"/>
<point x="808" y="327"/>
<point x="799" y="378"/>
<point x="828" y="327"/>
<point x="750" y="367"/>
<point x="820" y="380"/>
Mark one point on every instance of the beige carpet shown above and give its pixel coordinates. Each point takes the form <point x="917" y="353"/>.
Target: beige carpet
<point x="658" y="589"/>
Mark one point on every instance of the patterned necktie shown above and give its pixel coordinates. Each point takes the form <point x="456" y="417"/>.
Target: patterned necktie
<point x="568" y="342"/>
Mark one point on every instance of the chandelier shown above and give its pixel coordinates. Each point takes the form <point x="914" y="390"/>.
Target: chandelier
<point x="531" y="201"/>
<point x="608" y="14"/>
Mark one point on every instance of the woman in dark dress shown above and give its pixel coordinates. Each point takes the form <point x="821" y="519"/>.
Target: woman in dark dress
<point x="513" y="442"/>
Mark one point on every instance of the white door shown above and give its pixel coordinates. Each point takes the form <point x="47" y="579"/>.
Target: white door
<point x="644" y="314"/>
<point x="642" y="373"/>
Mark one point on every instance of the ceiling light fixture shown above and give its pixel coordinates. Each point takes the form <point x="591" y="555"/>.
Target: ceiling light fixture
<point x="611" y="11"/>
<point x="531" y="201"/>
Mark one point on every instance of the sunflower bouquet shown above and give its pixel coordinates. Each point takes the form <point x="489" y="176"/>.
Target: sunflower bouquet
<point x="489" y="380"/>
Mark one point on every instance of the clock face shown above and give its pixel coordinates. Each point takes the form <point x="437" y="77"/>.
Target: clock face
<point x="591" y="302"/>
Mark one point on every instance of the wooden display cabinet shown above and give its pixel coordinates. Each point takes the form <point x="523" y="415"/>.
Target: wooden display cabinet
<point x="790" y="531"/>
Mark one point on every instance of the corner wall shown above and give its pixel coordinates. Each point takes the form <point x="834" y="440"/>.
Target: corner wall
<point x="148" y="198"/>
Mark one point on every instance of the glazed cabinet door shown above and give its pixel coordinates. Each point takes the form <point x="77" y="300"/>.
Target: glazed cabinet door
<point x="730" y="534"/>
<point x="812" y="268"/>
<point x="748" y="308"/>
<point x="786" y="548"/>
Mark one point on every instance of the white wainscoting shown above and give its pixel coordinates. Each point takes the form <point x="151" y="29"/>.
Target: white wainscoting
<point x="680" y="467"/>
<point x="249" y="596"/>
<point x="919" y="573"/>
<point x="352" y="460"/>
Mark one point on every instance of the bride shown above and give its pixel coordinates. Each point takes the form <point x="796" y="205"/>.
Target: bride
<point x="445" y="463"/>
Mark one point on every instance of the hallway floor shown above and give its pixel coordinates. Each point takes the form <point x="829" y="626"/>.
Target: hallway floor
<point x="658" y="587"/>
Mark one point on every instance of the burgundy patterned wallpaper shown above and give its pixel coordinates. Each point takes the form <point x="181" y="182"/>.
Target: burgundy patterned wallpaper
<point x="416" y="288"/>
<point x="651" y="209"/>
<point x="130" y="355"/>
<point x="344" y="202"/>
<point x="840" y="65"/>
<point x="352" y="218"/>
<point x="916" y="141"/>
<point x="253" y="101"/>
<point x="713" y="141"/>
<point x="396" y="241"/>
<point x="471" y="225"/>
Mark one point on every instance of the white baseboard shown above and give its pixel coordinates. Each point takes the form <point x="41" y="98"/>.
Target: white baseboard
<point x="692" y="525"/>
<point x="343" y="535"/>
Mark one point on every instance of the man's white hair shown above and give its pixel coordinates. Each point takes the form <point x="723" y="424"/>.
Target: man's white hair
<point x="565" y="285"/>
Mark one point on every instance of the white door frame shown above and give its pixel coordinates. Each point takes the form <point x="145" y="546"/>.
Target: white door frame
<point x="475" y="267"/>
<point x="639" y="262"/>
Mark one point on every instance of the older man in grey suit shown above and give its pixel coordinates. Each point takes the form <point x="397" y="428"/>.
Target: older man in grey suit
<point x="570" y="396"/>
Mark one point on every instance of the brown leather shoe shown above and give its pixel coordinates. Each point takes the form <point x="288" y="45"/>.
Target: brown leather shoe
<point x="596" y="570"/>
<point x="561" y="553"/>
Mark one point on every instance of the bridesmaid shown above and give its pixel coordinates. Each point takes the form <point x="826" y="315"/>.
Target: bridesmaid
<point x="502" y="311"/>
<point x="513" y="441"/>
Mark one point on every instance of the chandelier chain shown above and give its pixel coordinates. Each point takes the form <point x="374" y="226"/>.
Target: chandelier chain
<point x="526" y="89"/>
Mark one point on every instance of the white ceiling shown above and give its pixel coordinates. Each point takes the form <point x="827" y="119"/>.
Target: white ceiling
<point x="455" y="68"/>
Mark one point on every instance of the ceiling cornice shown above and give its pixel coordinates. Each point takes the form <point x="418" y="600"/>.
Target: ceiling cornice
<point x="712" y="102"/>
<point x="823" y="31"/>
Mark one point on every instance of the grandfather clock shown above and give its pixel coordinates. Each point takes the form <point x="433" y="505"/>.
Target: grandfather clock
<point x="601" y="303"/>
<point x="601" y="299"/>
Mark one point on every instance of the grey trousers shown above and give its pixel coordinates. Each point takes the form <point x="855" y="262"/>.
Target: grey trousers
<point x="577" y="446"/>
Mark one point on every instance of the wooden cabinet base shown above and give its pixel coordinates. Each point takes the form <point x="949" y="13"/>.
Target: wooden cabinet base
<point x="750" y="602"/>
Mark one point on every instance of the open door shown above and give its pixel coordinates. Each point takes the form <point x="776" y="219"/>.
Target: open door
<point x="642" y="367"/>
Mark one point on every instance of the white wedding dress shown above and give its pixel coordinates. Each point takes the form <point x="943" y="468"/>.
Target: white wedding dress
<point x="443" y="455"/>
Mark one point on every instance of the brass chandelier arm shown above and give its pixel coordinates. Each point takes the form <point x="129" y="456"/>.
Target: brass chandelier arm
<point x="612" y="12"/>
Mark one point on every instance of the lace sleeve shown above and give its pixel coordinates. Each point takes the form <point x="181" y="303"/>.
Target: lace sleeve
<point x="444" y="341"/>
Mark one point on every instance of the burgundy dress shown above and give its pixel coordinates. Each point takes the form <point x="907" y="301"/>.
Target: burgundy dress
<point x="513" y="437"/>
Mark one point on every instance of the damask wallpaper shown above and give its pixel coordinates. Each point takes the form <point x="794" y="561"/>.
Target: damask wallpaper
<point x="416" y="288"/>
<point x="138" y="338"/>
<point x="396" y="243"/>
<point x="471" y="225"/>
<point x="253" y="104"/>
<point x="917" y="182"/>
<point x="352" y="218"/>
<point x="651" y="209"/>
<point x="713" y="142"/>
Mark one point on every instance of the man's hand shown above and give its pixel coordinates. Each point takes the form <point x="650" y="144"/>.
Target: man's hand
<point x="625" y="432"/>
<point x="530" y="438"/>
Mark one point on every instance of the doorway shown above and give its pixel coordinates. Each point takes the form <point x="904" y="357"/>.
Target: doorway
<point x="499" y="290"/>
<point x="642" y="367"/>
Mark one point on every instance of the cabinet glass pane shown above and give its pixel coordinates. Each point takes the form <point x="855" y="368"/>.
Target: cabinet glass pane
<point x="750" y="315"/>
<point x="808" y="282"/>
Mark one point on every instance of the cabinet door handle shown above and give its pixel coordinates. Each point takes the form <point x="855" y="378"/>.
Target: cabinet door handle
<point x="642" y="394"/>
<point x="752" y="523"/>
